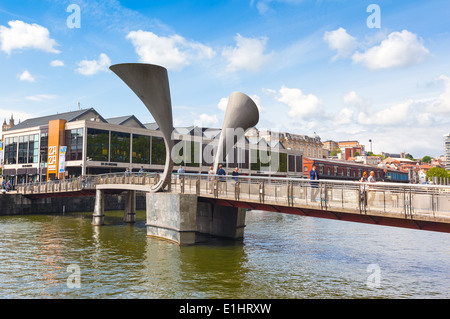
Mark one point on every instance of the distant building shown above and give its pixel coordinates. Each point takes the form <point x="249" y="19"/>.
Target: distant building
<point x="371" y="160"/>
<point x="447" y="151"/>
<point x="7" y="126"/>
<point x="302" y="144"/>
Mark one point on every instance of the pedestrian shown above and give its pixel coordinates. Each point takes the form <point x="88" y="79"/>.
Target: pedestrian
<point x="221" y="172"/>
<point x="235" y="174"/>
<point x="363" y="193"/>
<point x="211" y="179"/>
<point x="314" y="176"/>
<point x="141" y="171"/>
<point x="180" y="171"/>
<point x="371" y="180"/>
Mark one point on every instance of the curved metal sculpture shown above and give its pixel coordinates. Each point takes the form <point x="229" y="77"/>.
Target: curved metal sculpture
<point x="240" y="115"/>
<point x="151" y="84"/>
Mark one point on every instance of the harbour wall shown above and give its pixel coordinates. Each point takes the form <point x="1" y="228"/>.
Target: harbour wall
<point x="16" y="204"/>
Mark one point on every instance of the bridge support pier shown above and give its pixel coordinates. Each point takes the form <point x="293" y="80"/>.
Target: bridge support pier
<point x="181" y="218"/>
<point x="98" y="217"/>
<point x="129" y="215"/>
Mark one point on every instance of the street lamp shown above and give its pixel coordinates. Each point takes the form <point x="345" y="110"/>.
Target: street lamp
<point x="370" y="141"/>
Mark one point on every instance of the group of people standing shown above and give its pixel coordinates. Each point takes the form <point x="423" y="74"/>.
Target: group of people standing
<point x="7" y="186"/>
<point x="366" y="199"/>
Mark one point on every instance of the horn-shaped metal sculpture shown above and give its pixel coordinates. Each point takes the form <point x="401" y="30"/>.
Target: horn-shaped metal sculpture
<point x="240" y="115"/>
<point x="151" y="84"/>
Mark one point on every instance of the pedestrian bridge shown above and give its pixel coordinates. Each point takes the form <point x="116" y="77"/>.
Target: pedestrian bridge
<point x="423" y="207"/>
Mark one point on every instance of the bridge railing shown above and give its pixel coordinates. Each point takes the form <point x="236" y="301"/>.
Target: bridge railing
<point x="383" y="198"/>
<point x="407" y="200"/>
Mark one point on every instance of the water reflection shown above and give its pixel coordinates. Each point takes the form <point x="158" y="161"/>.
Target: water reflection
<point x="282" y="256"/>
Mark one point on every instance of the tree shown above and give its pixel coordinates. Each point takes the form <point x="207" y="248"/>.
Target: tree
<point x="409" y="156"/>
<point x="427" y="159"/>
<point x="335" y="151"/>
<point x="437" y="172"/>
<point x="356" y="154"/>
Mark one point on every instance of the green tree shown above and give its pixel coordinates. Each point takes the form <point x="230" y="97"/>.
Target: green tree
<point x="409" y="156"/>
<point x="335" y="151"/>
<point x="427" y="159"/>
<point x="437" y="172"/>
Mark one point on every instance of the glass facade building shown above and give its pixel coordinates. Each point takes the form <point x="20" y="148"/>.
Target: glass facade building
<point x="95" y="145"/>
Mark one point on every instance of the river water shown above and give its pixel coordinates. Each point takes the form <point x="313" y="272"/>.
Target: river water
<point x="282" y="256"/>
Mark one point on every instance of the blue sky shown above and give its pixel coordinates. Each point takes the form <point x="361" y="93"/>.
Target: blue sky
<point x="311" y="66"/>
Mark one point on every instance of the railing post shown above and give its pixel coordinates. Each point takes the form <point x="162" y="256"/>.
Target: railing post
<point x="261" y="192"/>
<point x="197" y="185"/>
<point x="237" y="190"/>
<point x="182" y="184"/>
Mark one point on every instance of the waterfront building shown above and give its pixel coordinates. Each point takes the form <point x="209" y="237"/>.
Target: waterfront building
<point x="300" y="144"/>
<point x="83" y="142"/>
<point x="447" y="151"/>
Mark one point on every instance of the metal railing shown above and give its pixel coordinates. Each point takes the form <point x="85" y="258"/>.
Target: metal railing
<point x="381" y="198"/>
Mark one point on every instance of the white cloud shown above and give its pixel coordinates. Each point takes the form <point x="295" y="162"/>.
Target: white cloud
<point x="393" y="115"/>
<point x="303" y="106"/>
<point x="173" y="52"/>
<point x="247" y="55"/>
<point x="90" y="67"/>
<point x="222" y="105"/>
<point x="340" y="41"/>
<point x="26" y="76"/>
<point x="441" y="105"/>
<point x="21" y="35"/>
<point x="207" y="120"/>
<point x="41" y="97"/>
<point x="345" y="116"/>
<point x="400" y="49"/>
<point x="57" y="63"/>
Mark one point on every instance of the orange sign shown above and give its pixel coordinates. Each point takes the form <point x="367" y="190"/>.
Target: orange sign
<point x="56" y="138"/>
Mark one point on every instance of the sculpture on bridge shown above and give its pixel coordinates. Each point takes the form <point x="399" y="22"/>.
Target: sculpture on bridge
<point x="240" y="115"/>
<point x="151" y="84"/>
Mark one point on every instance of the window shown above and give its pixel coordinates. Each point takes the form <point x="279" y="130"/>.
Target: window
<point x="141" y="149"/>
<point x="23" y="150"/>
<point x="120" y="147"/>
<point x="97" y="144"/>
<point x="158" y="151"/>
<point x="11" y="150"/>
<point x="33" y="148"/>
<point x="44" y="147"/>
<point x="74" y="143"/>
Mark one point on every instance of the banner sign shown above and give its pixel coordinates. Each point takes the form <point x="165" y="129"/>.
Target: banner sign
<point x="62" y="159"/>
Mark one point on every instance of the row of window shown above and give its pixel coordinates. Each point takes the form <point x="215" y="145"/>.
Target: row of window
<point x="341" y="171"/>
<point x="110" y="146"/>
<point x="22" y="149"/>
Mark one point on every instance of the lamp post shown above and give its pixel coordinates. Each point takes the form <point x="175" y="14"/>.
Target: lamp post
<point x="370" y="141"/>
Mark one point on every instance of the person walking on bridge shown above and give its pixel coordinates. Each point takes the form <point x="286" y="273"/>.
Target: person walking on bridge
<point x="371" y="195"/>
<point x="314" y="176"/>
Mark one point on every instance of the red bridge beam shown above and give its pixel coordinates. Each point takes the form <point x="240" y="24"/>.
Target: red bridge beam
<point x="349" y="217"/>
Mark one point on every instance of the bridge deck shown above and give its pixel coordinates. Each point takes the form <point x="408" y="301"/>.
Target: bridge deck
<point x="405" y="205"/>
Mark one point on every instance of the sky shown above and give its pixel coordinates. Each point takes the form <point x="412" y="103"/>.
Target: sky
<point x="341" y="69"/>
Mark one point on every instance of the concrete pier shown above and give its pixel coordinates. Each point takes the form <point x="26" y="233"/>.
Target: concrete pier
<point x="98" y="217"/>
<point x="181" y="218"/>
<point x="129" y="215"/>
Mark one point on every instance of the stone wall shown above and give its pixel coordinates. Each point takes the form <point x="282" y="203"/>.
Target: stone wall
<point x="14" y="204"/>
